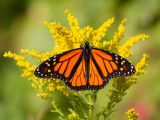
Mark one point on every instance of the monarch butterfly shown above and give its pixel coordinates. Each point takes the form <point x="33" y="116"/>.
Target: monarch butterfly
<point x="85" y="68"/>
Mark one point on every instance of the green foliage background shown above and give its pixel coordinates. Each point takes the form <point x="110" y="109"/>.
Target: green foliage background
<point x="21" y="26"/>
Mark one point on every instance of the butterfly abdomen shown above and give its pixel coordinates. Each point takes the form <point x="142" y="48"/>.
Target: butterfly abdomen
<point x="86" y="51"/>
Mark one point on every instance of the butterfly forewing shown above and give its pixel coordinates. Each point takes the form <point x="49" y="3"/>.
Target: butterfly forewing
<point x="110" y="65"/>
<point x="61" y="66"/>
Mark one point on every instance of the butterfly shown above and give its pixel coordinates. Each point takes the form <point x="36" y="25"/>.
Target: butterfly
<point x="85" y="68"/>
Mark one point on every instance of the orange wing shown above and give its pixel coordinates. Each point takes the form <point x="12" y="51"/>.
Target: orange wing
<point x="61" y="66"/>
<point x="105" y="65"/>
<point x="79" y="79"/>
<point x="95" y="80"/>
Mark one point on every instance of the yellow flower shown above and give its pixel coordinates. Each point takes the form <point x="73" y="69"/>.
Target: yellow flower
<point x="132" y="115"/>
<point x="124" y="50"/>
<point x="34" y="86"/>
<point x="139" y="69"/>
<point x="114" y="44"/>
<point x="142" y="64"/>
<point x="71" y="116"/>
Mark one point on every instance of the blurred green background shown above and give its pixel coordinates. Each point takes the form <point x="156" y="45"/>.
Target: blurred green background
<point x="21" y="27"/>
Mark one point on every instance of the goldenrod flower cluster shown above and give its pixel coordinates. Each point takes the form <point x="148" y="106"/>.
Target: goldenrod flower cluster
<point x="114" y="44"/>
<point x="124" y="49"/>
<point x="132" y="115"/>
<point x="74" y="37"/>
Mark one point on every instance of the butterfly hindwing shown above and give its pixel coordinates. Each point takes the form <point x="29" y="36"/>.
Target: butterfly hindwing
<point x="61" y="66"/>
<point x="79" y="80"/>
<point x="109" y="65"/>
<point x="95" y="80"/>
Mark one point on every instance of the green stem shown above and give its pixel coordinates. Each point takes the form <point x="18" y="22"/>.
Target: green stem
<point x="85" y="115"/>
<point x="83" y="97"/>
<point x="90" y="105"/>
<point x="56" y="108"/>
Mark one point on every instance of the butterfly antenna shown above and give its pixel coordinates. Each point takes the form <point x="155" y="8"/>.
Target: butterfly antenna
<point x="80" y="34"/>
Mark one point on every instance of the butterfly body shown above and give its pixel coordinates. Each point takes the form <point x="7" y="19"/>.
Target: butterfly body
<point x="85" y="68"/>
<point x="86" y="51"/>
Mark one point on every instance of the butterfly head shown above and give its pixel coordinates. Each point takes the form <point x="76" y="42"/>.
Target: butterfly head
<point x="86" y="43"/>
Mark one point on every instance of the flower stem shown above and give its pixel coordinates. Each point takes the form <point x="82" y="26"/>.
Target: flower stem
<point x="83" y="97"/>
<point x="56" y="108"/>
<point x="85" y="115"/>
<point x="90" y="105"/>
